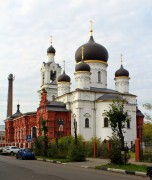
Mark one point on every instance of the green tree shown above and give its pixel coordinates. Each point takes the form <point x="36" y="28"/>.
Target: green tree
<point x="117" y="118"/>
<point x="44" y="129"/>
<point x="76" y="150"/>
<point x="148" y="106"/>
<point x="147" y="131"/>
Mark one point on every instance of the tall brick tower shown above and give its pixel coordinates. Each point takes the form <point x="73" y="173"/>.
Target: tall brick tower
<point x="10" y="95"/>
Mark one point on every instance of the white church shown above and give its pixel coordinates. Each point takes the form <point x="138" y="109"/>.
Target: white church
<point x="91" y="95"/>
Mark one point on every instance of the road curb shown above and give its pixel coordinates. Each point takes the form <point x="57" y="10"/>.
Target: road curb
<point x="124" y="171"/>
<point x="48" y="160"/>
<point x="137" y="173"/>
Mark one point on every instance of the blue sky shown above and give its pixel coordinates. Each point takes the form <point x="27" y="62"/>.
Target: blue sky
<point x="122" y="26"/>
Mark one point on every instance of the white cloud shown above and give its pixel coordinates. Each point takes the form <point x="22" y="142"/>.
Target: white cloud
<point x="122" y="26"/>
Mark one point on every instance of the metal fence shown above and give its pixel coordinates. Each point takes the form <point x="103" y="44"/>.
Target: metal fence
<point x="146" y="150"/>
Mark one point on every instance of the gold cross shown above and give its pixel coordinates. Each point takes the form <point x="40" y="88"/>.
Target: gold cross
<point x="63" y="65"/>
<point x="121" y="58"/>
<point x="82" y="53"/>
<point x="91" y="30"/>
<point x="51" y="39"/>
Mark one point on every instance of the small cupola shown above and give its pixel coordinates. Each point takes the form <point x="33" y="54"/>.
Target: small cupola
<point x="121" y="72"/>
<point x="122" y="79"/>
<point x="82" y="66"/>
<point x="64" y="77"/>
<point x="63" y="82"/>
<point x="51" y="49"/>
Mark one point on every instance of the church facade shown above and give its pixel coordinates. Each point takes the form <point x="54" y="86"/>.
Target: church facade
<point x="91" y="96"/>
<point x="85" y="105"/>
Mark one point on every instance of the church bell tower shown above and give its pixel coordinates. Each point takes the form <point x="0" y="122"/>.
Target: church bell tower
<point x="49" y="74"/>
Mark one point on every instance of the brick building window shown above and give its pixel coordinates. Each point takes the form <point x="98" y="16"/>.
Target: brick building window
<point x="33" y="132"/>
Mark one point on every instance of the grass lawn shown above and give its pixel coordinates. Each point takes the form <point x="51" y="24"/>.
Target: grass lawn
<point x="129" y="167"/>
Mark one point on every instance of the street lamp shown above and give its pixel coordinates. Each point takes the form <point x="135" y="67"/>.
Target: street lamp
<point x="75" y="131"/>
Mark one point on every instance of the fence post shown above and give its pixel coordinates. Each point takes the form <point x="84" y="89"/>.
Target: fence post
<point x="95" y="149"/>
<point x="137" y="149"/>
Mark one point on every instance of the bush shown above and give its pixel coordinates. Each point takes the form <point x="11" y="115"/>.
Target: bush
<point x="77" y="153"/>
<point x="60" y="148"/>
<point x="64" y="145"/>
<point x="103" y="150"/>
<point x="41" y="146"/>
<point x="116" y="155"/>
<point x="89" y="147"/>
<point x="38" y="146"/>
<point x="53" y="150"/>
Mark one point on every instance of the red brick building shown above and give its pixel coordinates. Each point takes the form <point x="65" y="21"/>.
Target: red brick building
<point x="21" y="128"/>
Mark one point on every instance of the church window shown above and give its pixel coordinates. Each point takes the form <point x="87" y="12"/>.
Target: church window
<point x="105" y="122"/>
<point x="99" y="76"/>
<point x="86" y="123"/>
<point x="52" y="75"/>
<point x="128" y="124"/>
<point x="33" y="132"/>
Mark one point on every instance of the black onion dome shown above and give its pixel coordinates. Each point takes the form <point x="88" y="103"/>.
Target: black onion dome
<point x="82" y="66"/>
<point x="93" y="51"/>
<point x="51" y="50"/>
<point x="64" y="78"/>
<point x="121" y="72"/>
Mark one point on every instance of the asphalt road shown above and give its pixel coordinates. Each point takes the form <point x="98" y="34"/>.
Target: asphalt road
<point x="14" y="169"/>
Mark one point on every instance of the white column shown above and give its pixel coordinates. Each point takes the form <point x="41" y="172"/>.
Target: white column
<point x="50" y="57"/>
<point x="122" y="84"/>
<point x="82" y="80"/>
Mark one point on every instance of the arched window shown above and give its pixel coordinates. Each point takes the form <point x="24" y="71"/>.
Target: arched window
<point x="86" y="123"/>
<point x="105" y="122"/>
<point x="99" y="76"/>
<point x="52" y="75"/>
<point x="128" y="124"/>
<point x="33" y="132"/>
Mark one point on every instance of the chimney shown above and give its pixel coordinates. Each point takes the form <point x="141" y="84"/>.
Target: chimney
<point x="10" y="95"/>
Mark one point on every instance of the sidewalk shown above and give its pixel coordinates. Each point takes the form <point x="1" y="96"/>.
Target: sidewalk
<point x="93" y="162"/>
<point x="90" y="162"/>
<point x="132" y="161"/>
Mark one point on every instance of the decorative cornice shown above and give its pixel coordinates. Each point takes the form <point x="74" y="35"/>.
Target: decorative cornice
<point x="82" y="72"/>
<point x="94" y="61"/>
<point x="122" y="77"/>
<point x="110" y="100"/>
<point x="63" y="82"/>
